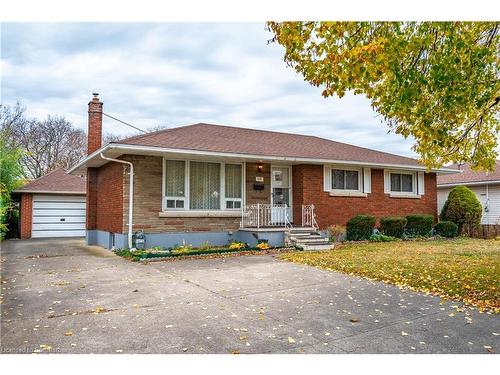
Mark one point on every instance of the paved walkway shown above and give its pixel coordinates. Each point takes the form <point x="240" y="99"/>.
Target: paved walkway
<point x="79" y="299"/>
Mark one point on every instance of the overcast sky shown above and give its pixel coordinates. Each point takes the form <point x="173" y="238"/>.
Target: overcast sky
<point x="177" y="74"/>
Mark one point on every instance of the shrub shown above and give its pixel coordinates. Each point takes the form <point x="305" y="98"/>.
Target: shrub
<point x="419" y="225"/>
<point x="184" y="249"/>
<point x="382" y="238"/>
<point x="463" y="208"/>
<point x="336" y="233"/>
<point x="393" y="226"/>
<point x="360" y="227"/>
<point x="446" y="229"/>
<point x="237" y="245"/>
<point x="263" y="246"/>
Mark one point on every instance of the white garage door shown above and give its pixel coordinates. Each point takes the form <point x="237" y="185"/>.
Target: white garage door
<point x="58" y="216"/>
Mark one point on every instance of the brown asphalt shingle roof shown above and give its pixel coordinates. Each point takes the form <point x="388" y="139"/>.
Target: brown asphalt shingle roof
<point x="468" y="175"/>
<point x="56" y="181"/>
<point x="229" y="139"/>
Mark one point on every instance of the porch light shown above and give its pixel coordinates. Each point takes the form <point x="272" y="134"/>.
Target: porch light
<point x="259" y="167"/>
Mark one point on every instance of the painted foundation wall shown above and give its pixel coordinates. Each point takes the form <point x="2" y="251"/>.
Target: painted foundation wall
<point x="195" y="239"/>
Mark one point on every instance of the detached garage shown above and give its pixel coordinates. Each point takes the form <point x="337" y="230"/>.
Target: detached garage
<point x="53" y="206"/>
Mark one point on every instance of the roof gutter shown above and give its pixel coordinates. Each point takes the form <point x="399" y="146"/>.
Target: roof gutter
<point x="470" y="183"/>
<point x="127" y="147"/>
<point x="130" y="196"/>
<point x="50" y="192"/>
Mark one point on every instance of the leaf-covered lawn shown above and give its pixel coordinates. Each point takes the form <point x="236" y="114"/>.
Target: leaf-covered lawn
<point x="463" y="269"/>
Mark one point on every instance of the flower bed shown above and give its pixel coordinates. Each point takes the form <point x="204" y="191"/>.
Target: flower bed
<point x="183" y="251"/>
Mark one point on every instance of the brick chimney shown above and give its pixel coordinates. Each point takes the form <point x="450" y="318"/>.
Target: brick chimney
<point x="95" y="124"/>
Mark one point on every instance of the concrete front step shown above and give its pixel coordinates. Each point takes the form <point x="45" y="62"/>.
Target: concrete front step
<point x="315" y="239"/>
<point x="308" y="247"/>
<point x="302" y="230"/>
<point x="307" y="239"/>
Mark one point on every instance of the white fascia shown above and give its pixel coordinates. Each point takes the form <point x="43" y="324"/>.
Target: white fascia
<point x="127" y="148"/>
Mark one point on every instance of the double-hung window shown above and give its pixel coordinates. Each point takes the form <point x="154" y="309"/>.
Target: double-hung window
<point x="345" y="179"/>
<point x="197" y="185"/>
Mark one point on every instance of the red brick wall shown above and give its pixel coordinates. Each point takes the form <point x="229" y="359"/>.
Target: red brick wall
<point x="308" y="189"/>
<point x="26" y="215"/>
<point x="91" y="198"/>
<point x="109" y="200"/>
<point x="94" y="138"/>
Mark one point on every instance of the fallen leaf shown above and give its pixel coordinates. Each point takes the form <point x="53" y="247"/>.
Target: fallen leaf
<point x="403" y="333"/>
<point x="291" y="340"/>
<point x="69" y="333"/>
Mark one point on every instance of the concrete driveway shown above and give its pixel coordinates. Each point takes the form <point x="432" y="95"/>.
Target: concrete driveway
<point x="79" y="299"/>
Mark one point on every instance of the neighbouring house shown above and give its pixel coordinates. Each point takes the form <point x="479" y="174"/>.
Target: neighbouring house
<point x="52" y="206"/>
<point x="211" y="183"/>
<point x="486" y="186"/>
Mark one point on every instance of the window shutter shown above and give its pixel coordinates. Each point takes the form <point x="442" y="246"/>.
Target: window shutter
<point x="327" y="180"/>
<point x="421" y="187"/>
<point x="387" y="181"/>
<point x="367" y="180"/>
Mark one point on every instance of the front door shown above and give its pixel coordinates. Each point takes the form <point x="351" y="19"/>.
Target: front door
<point x="281" y="194"/>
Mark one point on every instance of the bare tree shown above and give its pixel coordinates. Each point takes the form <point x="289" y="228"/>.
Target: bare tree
<point x="110" y="137"/>
<point x="10" y="118"/>
<point x="49" y="144"/>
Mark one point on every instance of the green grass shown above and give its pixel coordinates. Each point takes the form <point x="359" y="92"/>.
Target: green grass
<point x="462" y="269"/>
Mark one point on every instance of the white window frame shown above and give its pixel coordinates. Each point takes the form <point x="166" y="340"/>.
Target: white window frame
<point x="186" y="197"/>
<point x="223" y="188"/>
<point x="344" y="191"/>
<point x="405" y="194"/>
<point x="165" y="198"/>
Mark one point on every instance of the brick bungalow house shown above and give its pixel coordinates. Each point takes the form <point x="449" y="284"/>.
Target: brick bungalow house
<point x="52" y="206"/>
<point x="210" y="183"/>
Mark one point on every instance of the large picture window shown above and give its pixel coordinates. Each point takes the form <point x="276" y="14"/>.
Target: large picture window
<point x="345" y="179"/>
<point x="204" y="186"/>
<point x="196" y="185"/>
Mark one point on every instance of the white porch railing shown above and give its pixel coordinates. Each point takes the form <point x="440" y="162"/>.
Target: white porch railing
<point x="265" y="215"/>
<point x="309" y="216"/>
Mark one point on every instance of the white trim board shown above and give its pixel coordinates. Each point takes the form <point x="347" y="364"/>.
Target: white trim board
<point x="125" y="148"/>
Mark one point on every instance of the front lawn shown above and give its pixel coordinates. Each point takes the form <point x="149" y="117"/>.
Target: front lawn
<point x="463" y="269"/>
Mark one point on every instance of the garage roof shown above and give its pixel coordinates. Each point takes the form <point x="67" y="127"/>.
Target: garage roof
<point x="55" y="182"/>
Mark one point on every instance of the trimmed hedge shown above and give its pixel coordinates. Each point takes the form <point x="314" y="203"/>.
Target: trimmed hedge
<point x="360" y="227"/>
<point x="393" y="226"/>
<point x="446" y="229"/>
<point x="420" y="225"/>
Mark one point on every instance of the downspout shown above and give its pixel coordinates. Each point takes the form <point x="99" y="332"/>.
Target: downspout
<point x="130" y="196"/>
